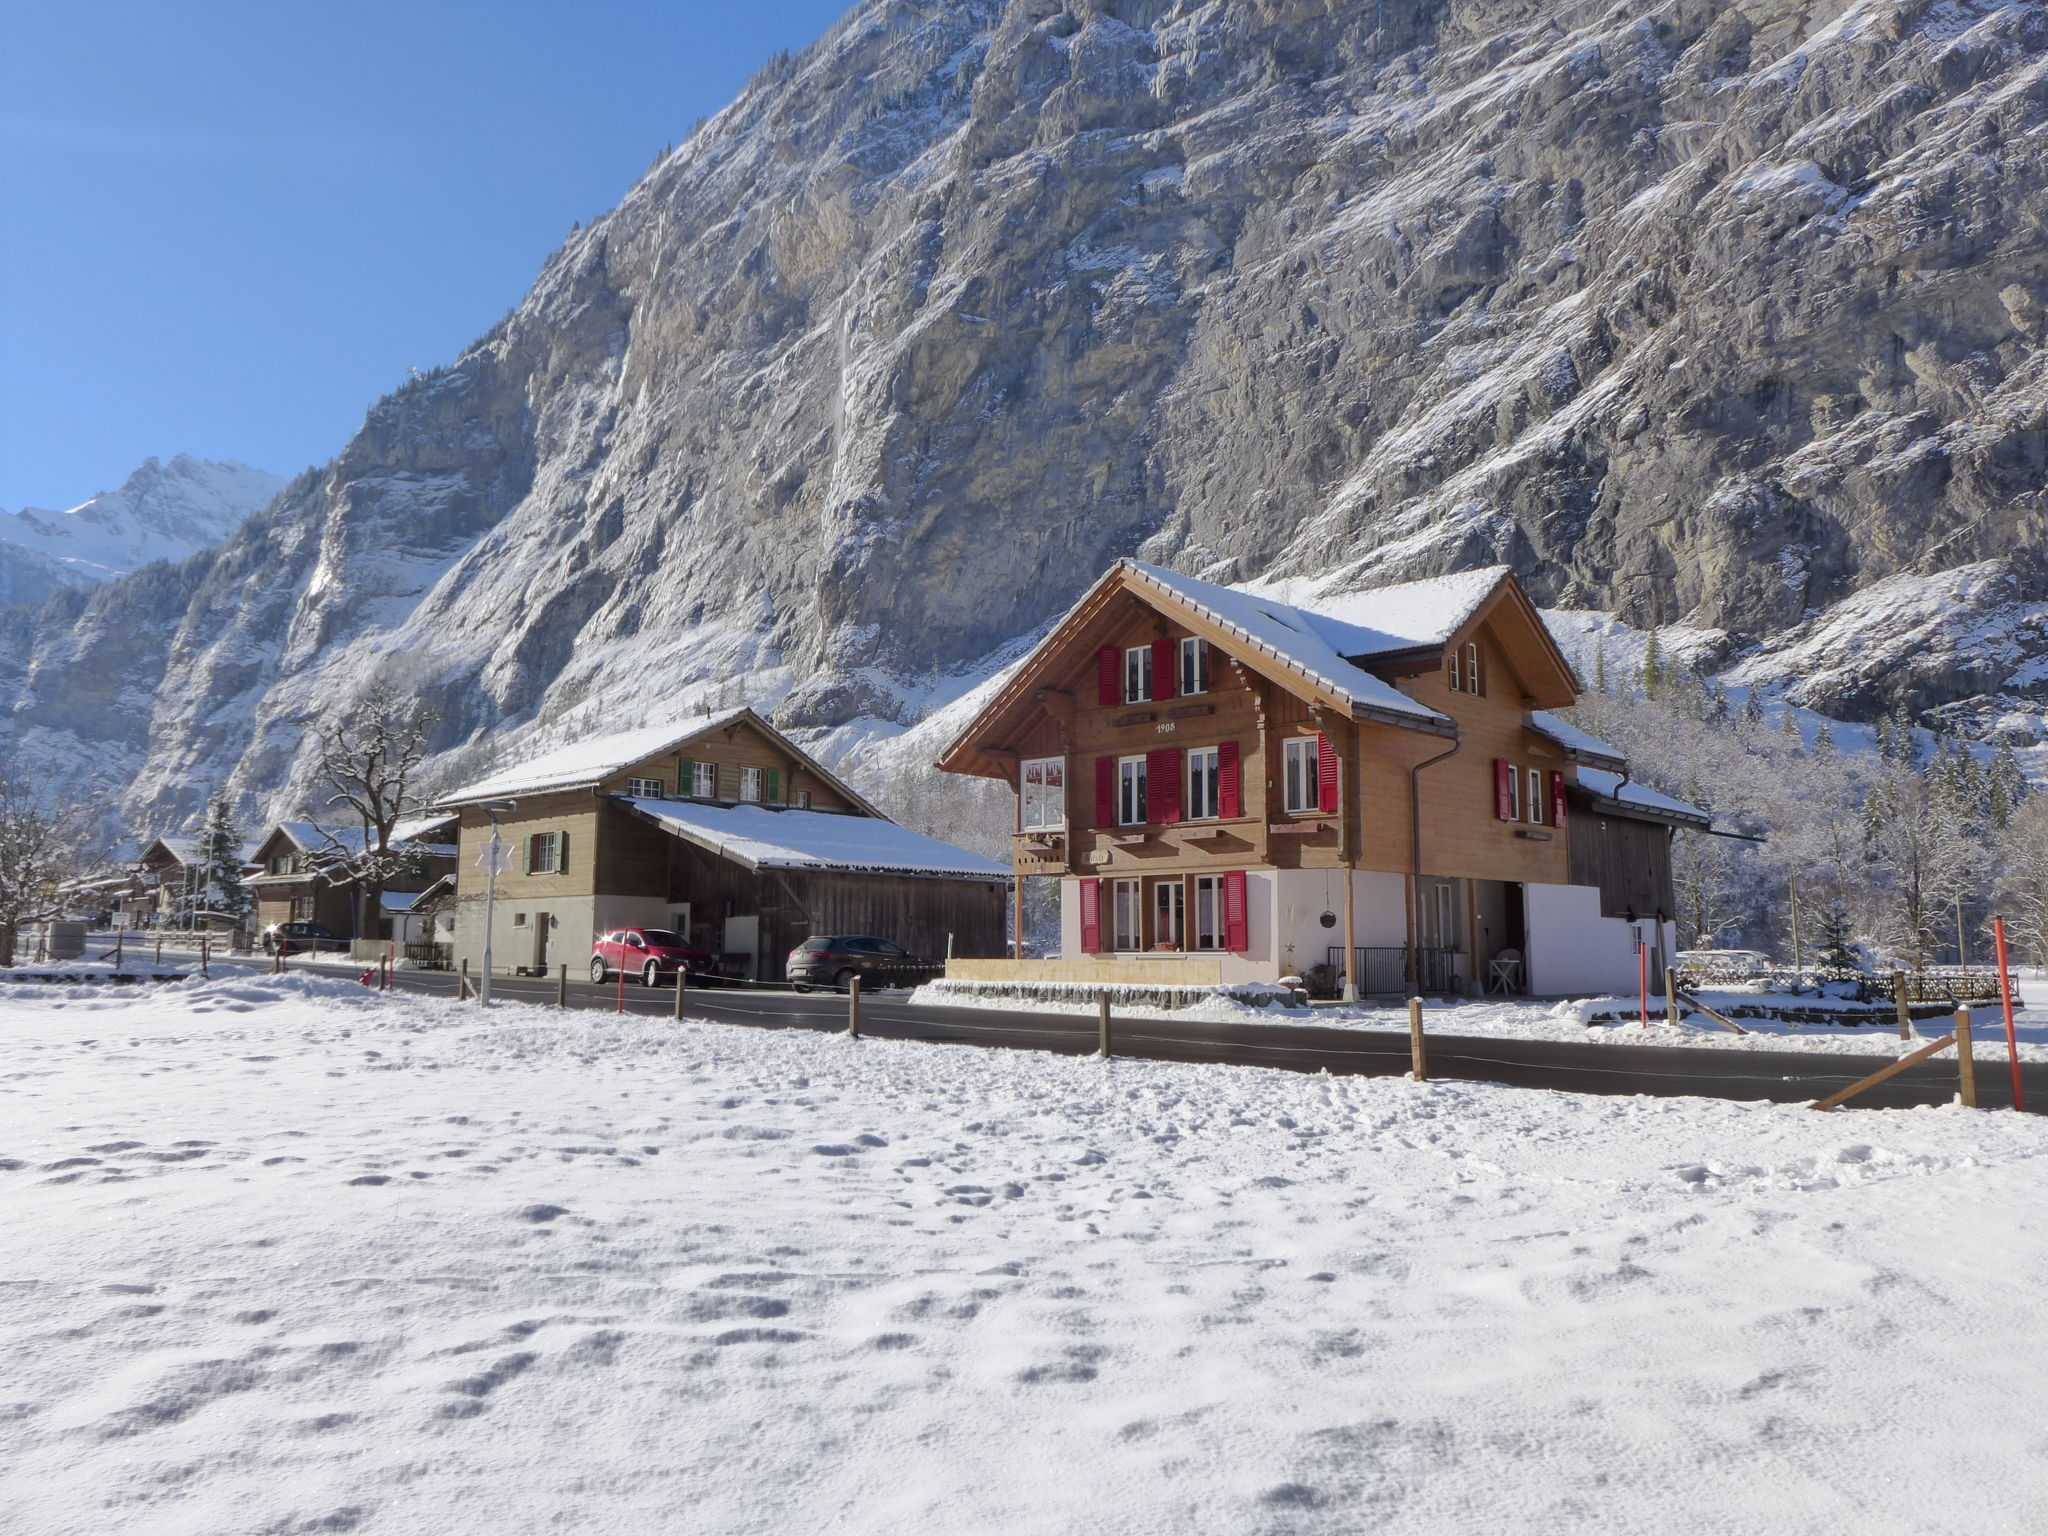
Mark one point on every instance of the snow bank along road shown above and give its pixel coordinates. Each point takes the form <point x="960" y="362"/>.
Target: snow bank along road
<point x="1784" y="1076"/>
<point x="289" y="1256"/>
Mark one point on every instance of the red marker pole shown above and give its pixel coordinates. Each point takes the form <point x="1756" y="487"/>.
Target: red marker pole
<point x="622" y="991"/>
<point x="2012" y="1035"/>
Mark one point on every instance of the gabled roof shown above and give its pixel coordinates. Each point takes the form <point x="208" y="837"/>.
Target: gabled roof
<point x="1390" y="621"/>
<point x="760" y="838"/>
<point x="1612" y="791"/>
<point x="584" y="764"/>
<point x="1579" y="746"/>
<point x="431" y="834"/>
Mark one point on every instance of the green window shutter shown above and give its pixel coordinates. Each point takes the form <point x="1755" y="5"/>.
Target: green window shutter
<point x="562" y="854"/>
<point x="775" y="786"/>
<point x="526" y="855"/>
<point x="686" y="778"/>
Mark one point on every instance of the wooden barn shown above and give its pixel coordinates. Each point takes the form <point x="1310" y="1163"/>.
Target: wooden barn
<point x="721" y="830"/>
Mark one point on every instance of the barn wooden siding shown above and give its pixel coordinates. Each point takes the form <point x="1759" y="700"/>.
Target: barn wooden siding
<point x="1629" y="860"/>
<point x="793" y="905"/>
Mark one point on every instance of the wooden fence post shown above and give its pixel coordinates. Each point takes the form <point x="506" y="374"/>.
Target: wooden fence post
<point x="159" y="949"/>
<point x="562" y="985"/>
<point x="1670" y="994"/>
<point x="1102" y="1024"/>
<point x="682" y="979"/>
<point x="1966" y="1065"/>
<point x="1417" y="1052"/>
<point x="1882" y="1074"/>
<point x="1905" y="1009"/>
<point x="462" y="991"/>
<point x="853" y="1006"/>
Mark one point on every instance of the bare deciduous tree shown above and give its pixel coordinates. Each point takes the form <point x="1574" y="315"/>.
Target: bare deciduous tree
<point x="371" y="758"/>
<point x="48" y="835"/>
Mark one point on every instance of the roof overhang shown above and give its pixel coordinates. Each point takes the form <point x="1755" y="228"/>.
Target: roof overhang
<point x="710" y="842"/>
<point x="1635" y="810"/>
<point x="977" y="749"/>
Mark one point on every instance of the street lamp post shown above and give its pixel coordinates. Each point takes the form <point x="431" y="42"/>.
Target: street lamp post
<point x="493" y="856"/>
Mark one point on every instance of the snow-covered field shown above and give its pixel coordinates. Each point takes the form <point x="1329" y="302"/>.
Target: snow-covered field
<point x="285" y="1255"/>
<point x="1566" y="1022"/>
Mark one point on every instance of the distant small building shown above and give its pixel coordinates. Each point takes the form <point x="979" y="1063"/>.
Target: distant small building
<point x="721" y="830"/>
<point x="172" y="884"/>
<point x="298" y="881"/>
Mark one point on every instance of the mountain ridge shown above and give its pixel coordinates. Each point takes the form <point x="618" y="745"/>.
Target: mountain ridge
<point x="1689" y="312"/>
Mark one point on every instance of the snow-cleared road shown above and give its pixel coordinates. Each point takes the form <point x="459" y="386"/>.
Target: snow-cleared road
<point x="1784" y="1077"/>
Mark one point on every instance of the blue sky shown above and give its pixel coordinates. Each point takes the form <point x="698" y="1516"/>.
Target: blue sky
<point x="225" y="229"/>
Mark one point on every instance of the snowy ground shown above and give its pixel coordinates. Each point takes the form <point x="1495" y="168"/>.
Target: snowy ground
<point x="1564" y="1021"/>
<point x="289" y="1256"/>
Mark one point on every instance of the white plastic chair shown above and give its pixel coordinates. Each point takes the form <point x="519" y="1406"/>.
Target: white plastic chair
<point x="1505" y="974"/>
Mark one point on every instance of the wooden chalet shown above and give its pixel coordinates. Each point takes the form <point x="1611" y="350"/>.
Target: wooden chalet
<point x="720" y="829"/>
<point x="1228" y="785"/>
<point x="296" y="880"/>
<point x="171" y="884"/>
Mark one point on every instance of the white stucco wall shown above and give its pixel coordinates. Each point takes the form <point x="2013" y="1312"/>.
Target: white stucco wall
<point x="1573" y="949"/>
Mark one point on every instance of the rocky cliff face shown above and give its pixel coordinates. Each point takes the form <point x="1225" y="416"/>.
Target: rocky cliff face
<point x="1703" y="312"/>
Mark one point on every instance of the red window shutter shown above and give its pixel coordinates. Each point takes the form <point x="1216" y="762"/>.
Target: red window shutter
<point x="1229" y="781"/>
<point x="1105" y="792"/>
<point x="1091" y="917"/>
<point x="1503" y="789"/>
<point x="1326" y="773"/>
<point x="1165" y="668"/>
<point x="1109" y="676"/>
<point x="1162" y="786"/>
<point x="1557" y="805"/>
<point x="1237" y="928"/>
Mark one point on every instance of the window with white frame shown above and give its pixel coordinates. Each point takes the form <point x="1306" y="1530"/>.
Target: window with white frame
<point x="750" y="785"/>
<point x="544" y="853"/>
<point x="1126" y="914"/>
<point x="803" y="799"/>
<point x="1536" y="795"/>
<point x="704" y="780"/>
<point x="1205" y="784"/>
<point x="1045" y="794"/>
<point x="1137" y="674"/>
<point x="1209" y="912"/>
<point x="1472" y="668"/>
<point x="1169" y="913"/>
<point x="1194" y="665"/>
<point x="1132" y="807"/>
<point x="1514" y="795"/>
<point x="1302" y="786"/>
<point x="645" y="789"/>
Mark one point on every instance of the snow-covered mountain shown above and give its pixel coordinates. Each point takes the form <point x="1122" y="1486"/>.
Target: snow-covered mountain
<point x="161" y="512"/>
<point x="1721" y="315"/>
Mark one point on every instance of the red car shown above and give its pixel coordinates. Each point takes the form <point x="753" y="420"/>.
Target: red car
<point x="652" y="954"/>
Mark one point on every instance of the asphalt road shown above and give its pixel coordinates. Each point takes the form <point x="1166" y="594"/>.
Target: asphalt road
<point x="1791" y="1077"/>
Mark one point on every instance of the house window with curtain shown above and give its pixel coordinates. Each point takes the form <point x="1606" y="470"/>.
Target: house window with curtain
<point x="1132" y="807"/>
<point x="1137" y="674"/>
<point x="645" y="789"/>
<point x="703" y="780"/>
<point x="751" y="781"/>
<point x="1208" y="912"/>
<point x="1194" y="665"/>
<point x="1535" y="800"/>
<point x="1045" y="794"/>
<point x="1169" y="913"/>
<point x="1126" y="915"/>
<point x="1205" y="784"/>
<point x="544" y="853"/>
<point x="1303" y="786"/>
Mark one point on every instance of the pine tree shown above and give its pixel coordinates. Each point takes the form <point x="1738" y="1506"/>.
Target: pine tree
<point x="1715" y="711"/>
<point x="1837" y="939"/>
<point x="1752" y="710"/>
<point x="221" y="891"/>
<point x="1600" y="666"/>
<point x="1823" y="740"/>
<point x="2006" y="785"/>
<point x="1788" y="731"/>
<point x="1653" y="667"/>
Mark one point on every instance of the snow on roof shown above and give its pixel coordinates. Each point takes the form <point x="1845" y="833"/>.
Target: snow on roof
<point x="1578" y="743"/>
<point x="314" y="838"/>
<point x="1382" y="621"/>
<point x="1610" y="786"/>
<point x="399" y="901"/>
<point x="186" y="850"/>
<point x="586" y="762"/>
<point x="1311" y="643"/>
<point x="765" y="839"/>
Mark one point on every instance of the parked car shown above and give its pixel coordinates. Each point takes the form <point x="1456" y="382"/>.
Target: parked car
<point x="835" y="961"/>
<point x="299" y="938"/>
<point x="652" y="954"/>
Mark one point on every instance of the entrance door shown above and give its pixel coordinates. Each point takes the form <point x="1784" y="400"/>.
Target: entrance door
<point x="541" y="925"/>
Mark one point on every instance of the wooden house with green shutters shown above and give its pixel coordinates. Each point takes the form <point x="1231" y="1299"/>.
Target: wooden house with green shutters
<point x="719" y="829"/>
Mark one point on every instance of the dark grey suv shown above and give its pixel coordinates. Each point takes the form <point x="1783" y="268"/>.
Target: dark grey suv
<point x="835" y="961"/>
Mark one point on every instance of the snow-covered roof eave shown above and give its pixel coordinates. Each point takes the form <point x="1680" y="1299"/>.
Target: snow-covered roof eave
<point x="686" y="819"/>
<point x="1613" y="793"/>
<point x="1383" y="702"/>
<point x="1579" y="746"/>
